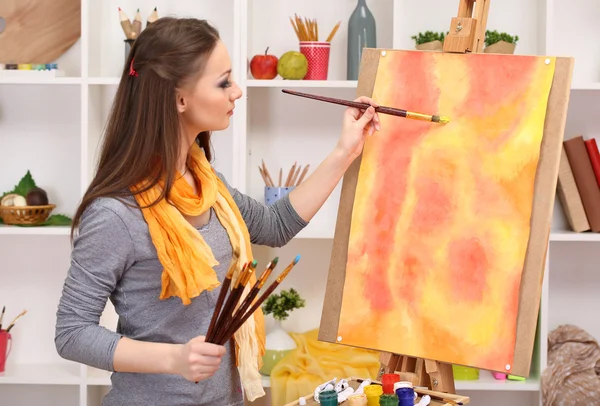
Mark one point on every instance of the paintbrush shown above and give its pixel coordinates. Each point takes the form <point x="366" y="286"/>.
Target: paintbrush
<point x="232" y="300"/>
<point x="223" y="292"/>
<point x="242" y="318"/>
<point x="380" y="109"/>
<point x="250" y="297"/>
<point x="12" y="323"/>
<point x="2" y="316"/>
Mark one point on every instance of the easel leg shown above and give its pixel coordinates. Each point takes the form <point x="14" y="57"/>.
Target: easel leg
<point x="431" y="374"/>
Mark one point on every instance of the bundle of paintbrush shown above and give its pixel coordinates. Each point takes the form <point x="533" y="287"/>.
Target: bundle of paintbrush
<point x="232" y="312"/>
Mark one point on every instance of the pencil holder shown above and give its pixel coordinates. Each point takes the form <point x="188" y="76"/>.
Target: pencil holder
<point x="274" y="193"/>
<point x="317" y="54"/>
<point x="5" y="346"/>
<point x="128" y="45"/>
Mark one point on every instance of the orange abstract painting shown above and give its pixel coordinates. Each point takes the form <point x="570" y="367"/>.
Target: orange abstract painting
<point x="441" y="216"/>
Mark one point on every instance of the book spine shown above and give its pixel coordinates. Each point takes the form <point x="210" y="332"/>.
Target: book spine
<point x="592" y="149"/>
<point x="585" y="179"/>
<point x="569" y="196"/>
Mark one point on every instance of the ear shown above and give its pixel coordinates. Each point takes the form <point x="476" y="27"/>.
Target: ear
<point x="180" y="101"/>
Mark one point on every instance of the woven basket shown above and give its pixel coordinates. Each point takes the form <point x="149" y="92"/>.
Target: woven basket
<point x="28" y="215"/>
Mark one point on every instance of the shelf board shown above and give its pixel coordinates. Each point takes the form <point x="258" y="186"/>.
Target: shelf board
<point x="573" y="236"/>
<point x="42" y="230"/>
<point x="334" y="84"/>
<point x="586" y="86"/>
<point x="109" y="81"/>
<point x="41" y="81"/>
<point x="42" y="374"/>
<point x="486" y="382"/>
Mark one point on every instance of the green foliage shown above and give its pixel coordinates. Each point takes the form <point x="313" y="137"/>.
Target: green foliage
<point x="491" y="37"/>
<point x="428" y="36"/>
<point x="24" y="186"/>
<point x="280" y="305"/>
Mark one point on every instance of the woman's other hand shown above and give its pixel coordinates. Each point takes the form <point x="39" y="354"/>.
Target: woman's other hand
<point x="197" y="360"/>
<point x="356" y="126"/>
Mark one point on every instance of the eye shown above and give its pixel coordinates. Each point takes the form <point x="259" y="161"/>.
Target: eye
<point x="225" y="84"/>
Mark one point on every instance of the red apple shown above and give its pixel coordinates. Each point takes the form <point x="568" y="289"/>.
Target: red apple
<point x="264" y="66"/>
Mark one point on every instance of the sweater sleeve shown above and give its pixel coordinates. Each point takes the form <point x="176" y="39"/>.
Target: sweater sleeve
<point x="102" y="251"/>
<point x="274" y="225"/>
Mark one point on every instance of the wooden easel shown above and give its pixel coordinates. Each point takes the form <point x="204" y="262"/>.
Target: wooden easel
<point x="467" y="34"/>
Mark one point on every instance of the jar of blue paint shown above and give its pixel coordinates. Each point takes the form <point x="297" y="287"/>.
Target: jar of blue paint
<point x="328" y="398"/>
<point x="274" y="193"/>
<point x="405" y="393"/>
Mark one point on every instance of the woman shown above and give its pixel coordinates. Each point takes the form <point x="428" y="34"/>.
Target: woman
<point x="157" y="228"/>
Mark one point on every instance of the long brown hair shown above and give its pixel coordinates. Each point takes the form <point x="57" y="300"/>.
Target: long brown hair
<point x="141" y="140"/>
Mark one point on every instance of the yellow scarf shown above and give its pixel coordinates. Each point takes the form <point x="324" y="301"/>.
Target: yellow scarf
<point x="188" y="261"/>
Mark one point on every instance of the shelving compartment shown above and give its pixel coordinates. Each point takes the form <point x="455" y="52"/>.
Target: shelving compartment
<point x="521" y="18"/>
<point x="40" y="132"/>
<point x="106" y="53"/>
<point x="269" y="27"/>
<point x="574" y="26"/>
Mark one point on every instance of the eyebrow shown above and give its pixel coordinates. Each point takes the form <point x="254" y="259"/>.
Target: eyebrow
<point x="227" y="72"/>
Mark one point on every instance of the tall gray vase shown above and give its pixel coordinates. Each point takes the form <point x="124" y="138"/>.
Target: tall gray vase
<point x="361" y="34"/>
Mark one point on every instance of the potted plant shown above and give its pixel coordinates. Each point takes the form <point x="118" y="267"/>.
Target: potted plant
<point x="499" y="42"/>
<point x="278" y="341"/>
<point x="429" y="41"/>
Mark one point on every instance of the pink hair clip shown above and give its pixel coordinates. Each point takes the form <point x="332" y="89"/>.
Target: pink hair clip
<point x="132" y="72"/>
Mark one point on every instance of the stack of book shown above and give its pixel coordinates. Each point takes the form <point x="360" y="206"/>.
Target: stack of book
<point x="578" y="186"/>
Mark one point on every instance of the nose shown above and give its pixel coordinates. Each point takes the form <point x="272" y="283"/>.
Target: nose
<point x="236" y="91"/>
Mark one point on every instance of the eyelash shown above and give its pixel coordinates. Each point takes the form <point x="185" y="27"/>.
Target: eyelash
<point x="225" y="84"/>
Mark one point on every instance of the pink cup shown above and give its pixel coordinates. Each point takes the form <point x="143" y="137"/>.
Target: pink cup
<point x="5" y="346"/>
<point x="317" y="54"/>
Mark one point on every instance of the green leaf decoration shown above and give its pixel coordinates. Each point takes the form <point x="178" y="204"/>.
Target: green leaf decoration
<point x="428" y="36"/>
<point x="280" y="305"/>
<point x="25" y="185"/>
<point x="491" y="37"/>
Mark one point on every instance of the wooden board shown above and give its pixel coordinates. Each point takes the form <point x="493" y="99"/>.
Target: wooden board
<point x="544" y="193"/>
<point x="38" y="31"/>
<point x="355" y="383"/>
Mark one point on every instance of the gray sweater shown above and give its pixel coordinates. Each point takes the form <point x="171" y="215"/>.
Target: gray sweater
<point x="113" y="258"/>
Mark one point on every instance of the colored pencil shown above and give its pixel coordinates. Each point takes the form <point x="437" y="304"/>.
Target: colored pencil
<point x="380" y="109"/>
<point x="125" y="24"/>
<point x="152" y="18"/>
<point x="136" y="27"/>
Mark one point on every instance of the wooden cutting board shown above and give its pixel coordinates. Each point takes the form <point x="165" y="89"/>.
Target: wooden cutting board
<point x="38" y="31"/>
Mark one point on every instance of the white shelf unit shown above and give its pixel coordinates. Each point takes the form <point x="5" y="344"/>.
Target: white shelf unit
<point x="52" y="127"/>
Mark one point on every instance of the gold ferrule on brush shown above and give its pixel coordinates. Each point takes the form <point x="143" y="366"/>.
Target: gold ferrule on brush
<point x="419" y="116"/>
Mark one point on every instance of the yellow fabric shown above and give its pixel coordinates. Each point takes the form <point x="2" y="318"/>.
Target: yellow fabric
<point x="314" y="362"/>
<point x="187" y="259"/>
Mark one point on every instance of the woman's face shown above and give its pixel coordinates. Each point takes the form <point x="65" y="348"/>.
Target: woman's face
<point x="209" y="104"/>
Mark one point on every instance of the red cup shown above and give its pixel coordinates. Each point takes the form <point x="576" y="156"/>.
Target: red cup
<point x="317" y="54"/>
<point x="5" y="346"/>
<point x="388" y="381"/>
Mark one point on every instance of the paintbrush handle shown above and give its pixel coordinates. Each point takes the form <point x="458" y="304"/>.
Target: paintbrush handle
<point x="359" y="105"/>
<point x="218" y="308"/>
<point x="235" y="326"/>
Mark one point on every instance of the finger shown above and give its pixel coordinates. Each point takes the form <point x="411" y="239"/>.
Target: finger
<point x="367" y="117"/>
<point x="354" y="113"/>
<point x="377" y="122"/>
<point x="368" y="100"/>
<point x="201" y="376"/>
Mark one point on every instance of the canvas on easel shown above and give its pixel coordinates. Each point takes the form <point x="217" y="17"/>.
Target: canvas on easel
<point x="442" y="229"/>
